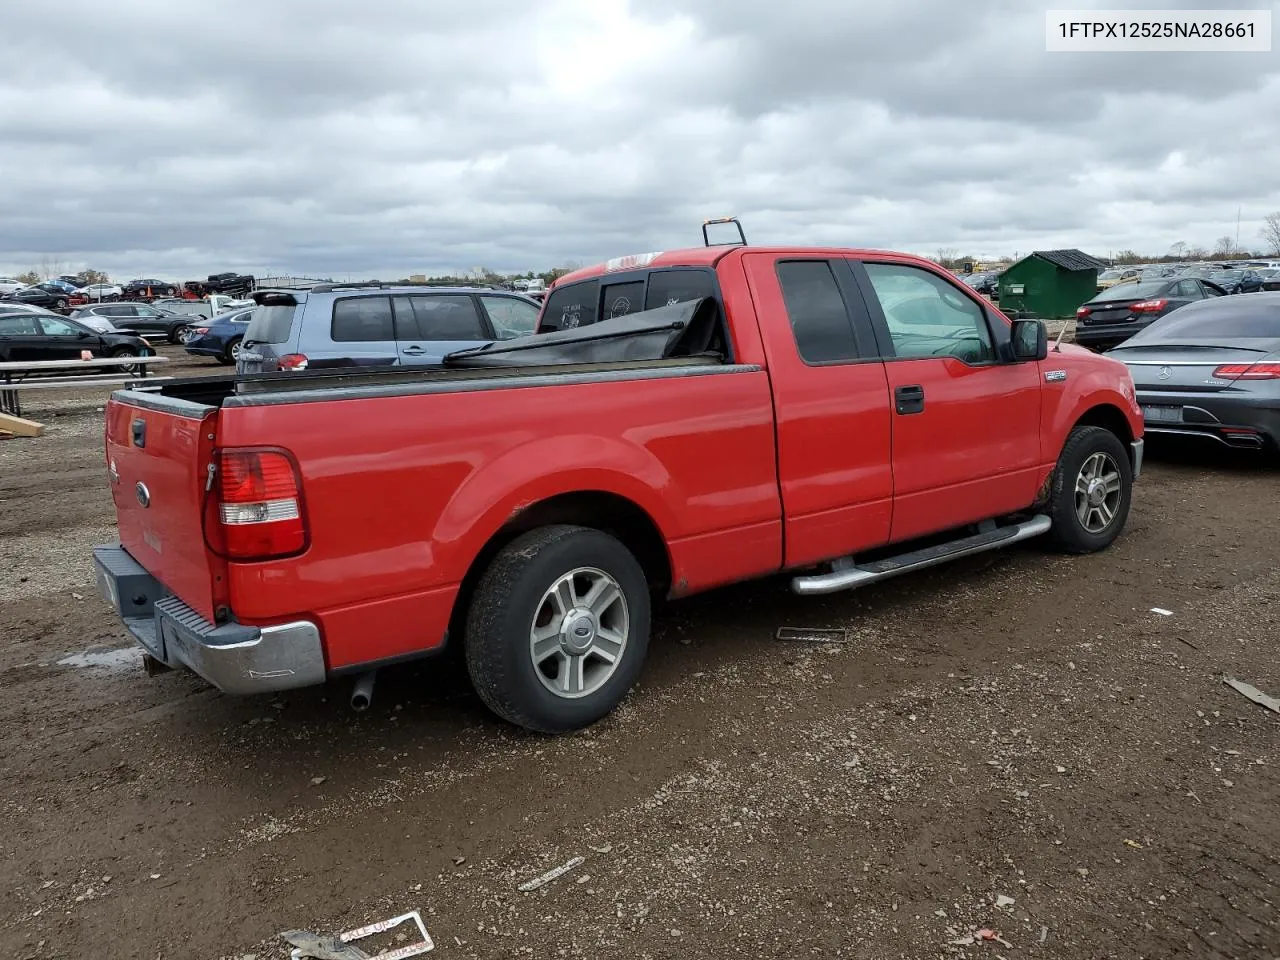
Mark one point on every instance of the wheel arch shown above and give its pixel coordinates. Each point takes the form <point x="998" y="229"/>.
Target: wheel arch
<point x="603" y="510"/>
<point x="1111" y="418"/>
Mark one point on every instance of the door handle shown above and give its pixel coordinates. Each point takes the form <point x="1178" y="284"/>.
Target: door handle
<point x="413" y="351"/>
<point x="909" y="399"/>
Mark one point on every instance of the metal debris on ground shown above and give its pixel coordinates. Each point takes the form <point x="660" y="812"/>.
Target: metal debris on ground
<point x="315" y="947"/>
<point x="1253" y="693"/>
<point x="812" y="634"/>
<point x="992" y="936"/>
<point x="1162" y="611"/>
<point x="312" y="946"/>
<point x="551" y="875"/>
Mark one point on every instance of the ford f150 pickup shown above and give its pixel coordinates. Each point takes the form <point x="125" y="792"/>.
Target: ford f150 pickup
<point x="680" y="421"/>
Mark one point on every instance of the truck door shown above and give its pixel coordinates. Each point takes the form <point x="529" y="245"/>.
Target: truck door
<point x="831" y="404"/>
<point x="966" y="423"/>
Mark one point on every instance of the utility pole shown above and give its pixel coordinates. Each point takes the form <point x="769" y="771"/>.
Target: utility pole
<point x="1237" y="247"/>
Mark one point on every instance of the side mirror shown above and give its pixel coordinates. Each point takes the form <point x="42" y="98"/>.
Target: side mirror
<point x="1029" y="340"/>
<point x="83" y="335"/>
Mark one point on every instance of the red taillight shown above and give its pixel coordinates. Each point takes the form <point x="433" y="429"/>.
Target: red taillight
<point x="1248" y="371"/>
<point x="1083" y="312"/>
<point x="259" y="505"/>
<point x="200" y="330"/>
<point x="292" y="361"/>
<point x="1149" y="306"/>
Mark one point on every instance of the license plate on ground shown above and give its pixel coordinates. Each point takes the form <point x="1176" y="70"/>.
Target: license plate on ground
<point x="1162" y="414"/>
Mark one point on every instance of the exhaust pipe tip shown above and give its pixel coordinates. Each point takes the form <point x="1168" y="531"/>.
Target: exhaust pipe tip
<point x="362" y="691"/>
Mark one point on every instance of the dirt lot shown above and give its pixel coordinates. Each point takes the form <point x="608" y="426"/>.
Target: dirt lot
<point x="1019" y="726"/>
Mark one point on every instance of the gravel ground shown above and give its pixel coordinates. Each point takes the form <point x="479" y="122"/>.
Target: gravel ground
<point x="1014" y="742"/>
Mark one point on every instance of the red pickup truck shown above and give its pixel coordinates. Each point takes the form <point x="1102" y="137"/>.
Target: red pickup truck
<point x="680" y="420"/>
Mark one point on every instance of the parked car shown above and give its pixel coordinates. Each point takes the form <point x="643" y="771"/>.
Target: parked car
<point x="1212" y="371"/>
<point x="220" y="337"/>
<point x="46" y="295"/>
<point x="526" y="499"/>
<point x="1119" y="312"/>
<point x="10" y="285"/>
<point x="41" y="336"/>
<point x="375" y="325"/>
<point x="142" y="317"/>
<point x="148" y="289"/>
<point x="1109" y="278"/>
<point x="1270" y="278"/>
<point x="101" y="291"/>
<point x="1237" y="281"/>
<point x="986" y="283"/>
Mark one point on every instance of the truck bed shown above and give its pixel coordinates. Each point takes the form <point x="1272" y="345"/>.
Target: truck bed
<point x="349" y="383"/>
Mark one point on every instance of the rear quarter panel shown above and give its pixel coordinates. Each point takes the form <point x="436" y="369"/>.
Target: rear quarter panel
<point x="402" y="492"/>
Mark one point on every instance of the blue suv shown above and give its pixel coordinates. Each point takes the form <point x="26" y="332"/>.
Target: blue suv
<point x="375" y="324"/>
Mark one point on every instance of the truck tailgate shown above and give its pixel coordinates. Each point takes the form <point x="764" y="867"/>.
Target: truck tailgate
<point x="158" y="459"/>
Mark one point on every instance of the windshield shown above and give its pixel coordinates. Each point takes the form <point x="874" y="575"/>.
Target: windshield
<point x="1235" y="321"/>
<point x="1130" y="291"/>
<point x="1111" y="275"/>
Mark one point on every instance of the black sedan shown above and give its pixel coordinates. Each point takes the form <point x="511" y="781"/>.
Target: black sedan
<point x="42" y="295"/>
<point x="1270" y="278"/>
<point x="1117" y="313"/>
<point x="40" y="336"/>
<point x="1211" y="370"/>
<point x="142" y="317"/>
<point x="1237" y="281"/>
<point x="149" y="288"/>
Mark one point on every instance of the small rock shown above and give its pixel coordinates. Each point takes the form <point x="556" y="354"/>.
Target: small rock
<point x="1061" y="769"/>
<point x="316" y="781"/>
<point x="77" y="596"/>
<point x="1083" y="871"/>
<point x="676" y="933"/>
<point x="1228" y="783"/>
<point x="459" y="861"/>
<point x="607" y="848"/>
<point x="106" y="879"/>
<point x="155" y="876"/>
<point x="584" y="879"/>
<point x="1003" y="901"/>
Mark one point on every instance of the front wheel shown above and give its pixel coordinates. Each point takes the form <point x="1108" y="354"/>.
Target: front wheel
<point x="1092" y="490"/>
<point x="558" y="628"/>
<point x="126" y="367"/>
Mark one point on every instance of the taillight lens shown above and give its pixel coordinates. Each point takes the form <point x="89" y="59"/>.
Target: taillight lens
<point x="1248" y="371"/>
<point x="292" y="361"/>
<point x="259" y="505"/>
<point x="1083" y="312"/>
<point x="200" y="331"/>
<point x="1149" y="306"/>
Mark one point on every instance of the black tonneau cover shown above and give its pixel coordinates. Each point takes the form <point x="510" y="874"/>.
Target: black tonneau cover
<point x="679" y="330"/>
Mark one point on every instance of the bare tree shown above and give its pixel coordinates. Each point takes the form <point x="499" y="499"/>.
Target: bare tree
<point x="1271" y="232"/>
<point x="50" y="266"/>
<point x="1197" y="253"/>
<point x="1178" y="250"/>
<point x="1224" y="246"/>
<point x="30" y="278"/>
<point x="946" y="256"/>
<point x="94" y="276"/>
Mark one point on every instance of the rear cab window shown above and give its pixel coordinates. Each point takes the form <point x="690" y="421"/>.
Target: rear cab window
<point x="570" y="307"/>
<point x="604" y="298"/>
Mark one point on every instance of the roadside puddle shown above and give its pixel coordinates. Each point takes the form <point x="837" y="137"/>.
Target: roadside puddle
<point x="124" y="659"/>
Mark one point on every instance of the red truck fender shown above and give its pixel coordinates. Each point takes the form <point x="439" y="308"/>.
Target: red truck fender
<point x="511" y="488"/>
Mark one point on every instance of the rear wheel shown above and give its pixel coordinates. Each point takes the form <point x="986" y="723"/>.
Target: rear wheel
<point x="558" y="628"/>
<point x="125" y="367"/>
<point x="1092" y="490"/>
<point x="179" y="332"/>
<point x="232" y="352"/>
<point x="60" y="304"/>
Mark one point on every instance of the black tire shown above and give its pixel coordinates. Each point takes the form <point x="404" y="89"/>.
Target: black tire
<point x="178" y="332"/>
<point x="1070" y="531"/>
<point x="125" y="367"/>
<point x="506" y="605"/>
<point x="228" y="354"/>
<point x="60" y="304"/>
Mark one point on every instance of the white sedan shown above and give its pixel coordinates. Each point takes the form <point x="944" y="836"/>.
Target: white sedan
<point x="101" y="291"/>
<point x="10" y="285"/>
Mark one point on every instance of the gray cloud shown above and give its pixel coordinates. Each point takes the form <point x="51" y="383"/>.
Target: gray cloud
<point x="332" y="139"/>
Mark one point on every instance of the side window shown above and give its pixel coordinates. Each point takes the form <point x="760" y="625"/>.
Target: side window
<point x="18" y="327"/>
<point x="678" y="286"/>
<point x="819" y="319"/>
<point x="927" y="317"/>
<point x="621" y="299"/>
<point x="447" y="318"/>
<point x="53" y="327"/>
<point x="1189" y="289"/>
<point x="571" y="306"/>
<point x="357" y="319"/>
<point x="510" y="317"/>
<point x="1209" y="291"/>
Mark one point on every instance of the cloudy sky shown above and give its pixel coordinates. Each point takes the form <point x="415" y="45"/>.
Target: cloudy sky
<point x="331" y="138"/>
